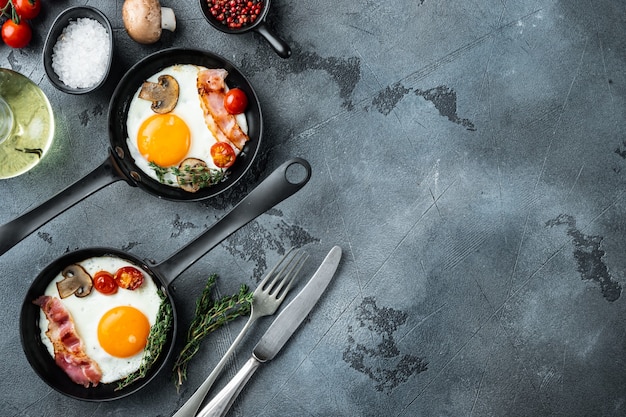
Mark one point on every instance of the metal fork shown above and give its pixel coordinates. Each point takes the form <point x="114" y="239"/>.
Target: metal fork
<point x="266" y="299"/>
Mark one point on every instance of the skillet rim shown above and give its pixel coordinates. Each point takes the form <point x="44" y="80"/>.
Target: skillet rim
<point x="43" y="363"/>
<point x="131" y="82"/>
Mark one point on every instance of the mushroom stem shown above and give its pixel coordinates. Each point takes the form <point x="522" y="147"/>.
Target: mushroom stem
<point x="168" y="20"/>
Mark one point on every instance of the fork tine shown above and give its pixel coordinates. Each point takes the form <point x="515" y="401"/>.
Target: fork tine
<point x="285" y="284"/>
<point x="263" y="284"/>
<point x="279" y="276"/>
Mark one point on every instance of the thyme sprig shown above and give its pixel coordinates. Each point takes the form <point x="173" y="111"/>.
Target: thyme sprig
<point x="209" y="316"/>
<point x="157" y="339"/>
<point x="200" y="176"/>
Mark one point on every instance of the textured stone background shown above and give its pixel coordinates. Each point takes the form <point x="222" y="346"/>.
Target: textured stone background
<point x="468" y="158"/>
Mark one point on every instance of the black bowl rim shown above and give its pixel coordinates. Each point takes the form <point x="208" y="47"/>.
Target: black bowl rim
<point x="61" y="21"/>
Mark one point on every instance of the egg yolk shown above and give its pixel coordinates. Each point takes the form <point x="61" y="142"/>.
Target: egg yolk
<point x="123" y="331"/>
<point x="164" y="139"/>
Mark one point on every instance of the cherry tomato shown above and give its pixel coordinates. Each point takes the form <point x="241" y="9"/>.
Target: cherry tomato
<point x="27" y="9"/>
<point x="235" y="101"/>
<point x="223" y="154"/>
<point x="104" y="282"/>
<point x="16" y="35"/>
<point x="3" y="4"/>
<point x="129" y="277"/>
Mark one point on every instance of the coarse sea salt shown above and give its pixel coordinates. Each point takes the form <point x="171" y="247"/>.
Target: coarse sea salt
<point x="81" y="54"/>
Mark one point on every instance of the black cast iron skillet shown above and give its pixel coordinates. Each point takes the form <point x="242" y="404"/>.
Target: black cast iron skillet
<point x="121" y="166"/>
<point x="260" y="26"/>
<point x="275" y="188"/>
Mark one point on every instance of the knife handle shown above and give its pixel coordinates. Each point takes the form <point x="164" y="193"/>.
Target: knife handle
<point x="221" y="403"/>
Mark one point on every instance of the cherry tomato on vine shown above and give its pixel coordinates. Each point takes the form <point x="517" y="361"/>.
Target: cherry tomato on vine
<point x="3" y="4"/>
<point x="235" y="101"/>
<point x="223" y="154"/>
<point x="104" y="282"/>
<point x="129" y="277"/>
<point x="27" y="9"/>
<point x="16" y="35"/>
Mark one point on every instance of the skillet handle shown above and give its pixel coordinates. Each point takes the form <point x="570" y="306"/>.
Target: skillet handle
<point x="17" y="229"/>
<point x="279" y="185"/>
<point x="278" y="45"/>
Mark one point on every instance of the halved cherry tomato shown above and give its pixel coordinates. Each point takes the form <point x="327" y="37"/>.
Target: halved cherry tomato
<point x="235" y="101"/>
<point x="129" y="277"/>
<point x="223" y="154"/>
<point x="27" y="9"/>
<point x="104" y="282"/>
<point x="16" y="35"/>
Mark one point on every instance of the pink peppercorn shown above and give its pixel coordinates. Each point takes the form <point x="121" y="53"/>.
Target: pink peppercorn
<point x="235" y="13"/>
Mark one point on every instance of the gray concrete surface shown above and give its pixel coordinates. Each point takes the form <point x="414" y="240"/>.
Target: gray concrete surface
<point x="468" y="158"/>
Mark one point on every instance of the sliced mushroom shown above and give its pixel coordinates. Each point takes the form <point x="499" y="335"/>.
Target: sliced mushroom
<point x="163" y="95"/>
<point x="145" y="19"/>
<point x="76" y="281"/>
<point x="191" y="170"/>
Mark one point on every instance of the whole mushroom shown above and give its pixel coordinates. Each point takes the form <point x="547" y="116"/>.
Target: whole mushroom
<point x="145" y="19"/>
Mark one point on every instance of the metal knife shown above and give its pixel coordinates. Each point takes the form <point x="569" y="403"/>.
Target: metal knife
<point x="276" y="335"/>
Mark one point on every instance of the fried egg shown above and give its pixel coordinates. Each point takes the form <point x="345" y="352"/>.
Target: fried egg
<point x="167" y="139"/>
<point x="113" y="328"/>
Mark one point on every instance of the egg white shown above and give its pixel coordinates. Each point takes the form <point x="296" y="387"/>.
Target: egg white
<point x="87" y="311"/>
<point x="187" y="108"/>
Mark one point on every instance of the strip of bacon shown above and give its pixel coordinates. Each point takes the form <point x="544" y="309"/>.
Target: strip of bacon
<point x="68" y="348"/>
<point x="223" y="125"/>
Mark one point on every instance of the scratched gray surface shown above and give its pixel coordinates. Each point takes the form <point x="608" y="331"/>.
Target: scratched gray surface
<point x="467" y="156"/>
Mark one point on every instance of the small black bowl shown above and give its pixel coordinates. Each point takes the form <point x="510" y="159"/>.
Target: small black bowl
<point x="260" y="26"/>
<point x="61" y="22"/>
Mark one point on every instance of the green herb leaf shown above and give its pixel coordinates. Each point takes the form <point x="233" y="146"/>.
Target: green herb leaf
<point x="209" y="316"/>
<point x="199" y="176"/>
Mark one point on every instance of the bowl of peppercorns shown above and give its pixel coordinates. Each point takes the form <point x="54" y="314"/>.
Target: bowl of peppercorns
<point x="242" y="16"/>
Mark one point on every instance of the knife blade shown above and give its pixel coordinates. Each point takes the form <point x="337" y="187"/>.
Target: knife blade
<point x="277" y="335"/>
